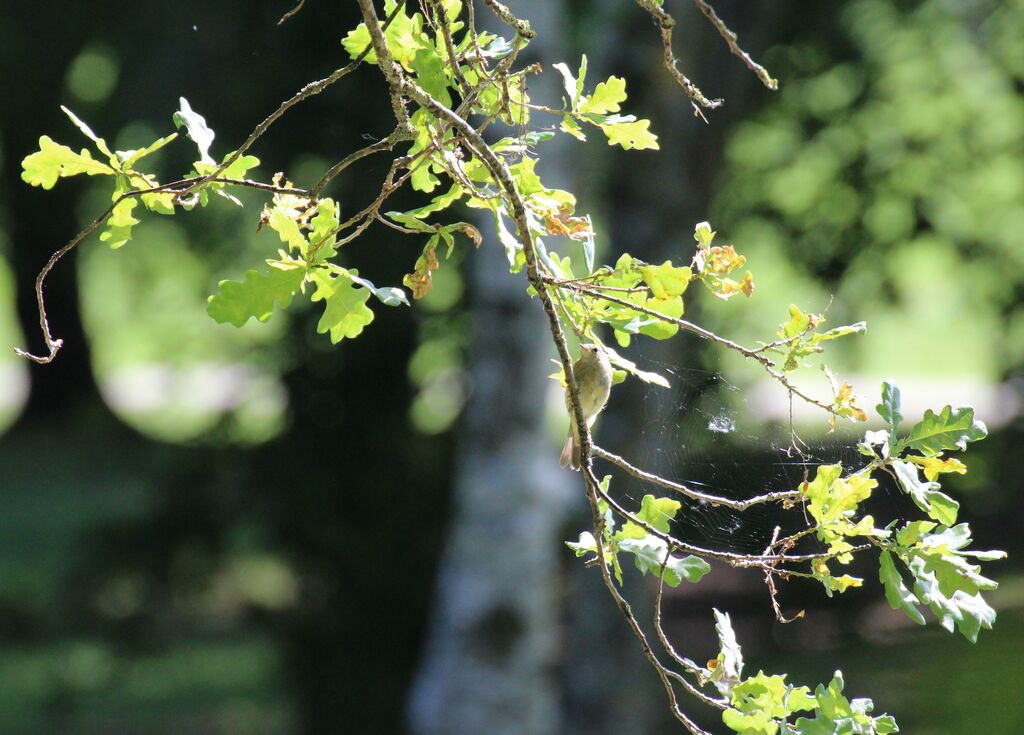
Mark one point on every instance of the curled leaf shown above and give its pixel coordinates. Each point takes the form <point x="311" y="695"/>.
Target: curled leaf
<point x="471" y="232"/>
<point x="419" y="281"/>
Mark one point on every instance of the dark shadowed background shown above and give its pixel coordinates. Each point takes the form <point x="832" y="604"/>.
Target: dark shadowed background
<point x="211" y="530"/>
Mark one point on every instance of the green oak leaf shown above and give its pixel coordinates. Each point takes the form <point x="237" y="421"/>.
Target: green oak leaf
<point x="629" y="133"/>
<point x="650" y="553"/>
<point x="255" y="296"/>
<point x="652" y="326"/>
<point x="798" y="323"/>
<point x="430" y="73"/>
<point x="889" y="408"/>
<point x="513" y="248"/>
<point x="422" y="179"/>
<point x="817" y="492"/>
<point x="626" y="321"/>
<point x="287" y="229"/>
<point x="120" y="223"/>
<point x="762" y="699"/>
<point x="159" y="202"/>
<point x="836" y="333"/>
<point x="926" y="495"/>
<point x="54" y="161"/>
<point x="439" y="202"/>
<point x="240" y="166"/>
<point x="196" y="128"/>
<point x="324" y="233"/>
<point x="837" y="715"/>
<point x="570" y="126"/>
<point x="587" y="544"/>
<point x="913" y="532"/>
<point x="404" y="36"/>
<point x="358" y="40"/>
<point x="101" y="145"/>
<point x="573" y="85"/>
<point x="655" y="512"/>
<point x="874" y="439"/>
<point x="345" y="312"/>
<point x="704" y="235"/>
<point x="130" y="158"/>
<point x="897" y="593"/>
<point x="526" y="180"/>
<point x="950" y="429"/>
<point x="967" y="612"/>
<point x="606" y="97"/>
<point x="727" y="667"/>
<point x="752" y="723"/>
<point x="658" y="512"/>
<point x="666" y="280"/>
<point x="947" y="581"/>
<point x="628" y="366"/>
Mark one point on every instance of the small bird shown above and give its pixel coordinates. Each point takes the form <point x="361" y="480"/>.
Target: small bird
<point x="594" y="380"/>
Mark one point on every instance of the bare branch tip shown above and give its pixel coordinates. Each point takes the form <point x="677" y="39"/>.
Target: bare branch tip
<point x="291" y="12"/>
<point x="41" y="359"/>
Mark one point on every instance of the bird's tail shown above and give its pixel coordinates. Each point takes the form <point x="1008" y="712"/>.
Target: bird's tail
<point x="570" y="453"/>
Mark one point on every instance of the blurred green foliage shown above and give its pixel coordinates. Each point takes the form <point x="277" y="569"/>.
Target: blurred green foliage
<point x="14" y="376"/>
<point x="889" y="171"/>
<point x="162" y="364"/>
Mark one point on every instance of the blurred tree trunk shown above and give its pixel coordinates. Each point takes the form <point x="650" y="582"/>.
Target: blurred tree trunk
<point x="490" y="665"/>
<point x="504" y="655"/>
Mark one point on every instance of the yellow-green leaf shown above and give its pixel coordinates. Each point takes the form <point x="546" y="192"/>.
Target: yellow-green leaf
<point x="53" y="161"/>
<point x="630" y="134"/>
<point x="666" y="280"/>
<point x="345" y="313"/>
<point x="606" y="97"/>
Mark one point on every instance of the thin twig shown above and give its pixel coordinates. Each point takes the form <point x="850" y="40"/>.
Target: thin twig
<point x="786" y="497"/>
<point x="755" y="354"/>
<point x="686" y="663"/>
<point x="309" y="90"/>
<point x="666" y="23"/>
<point x="730" y="39"/>
<point x="53" y="345"/>
<point x="521" y="27"/>
<point x="442" y="18"/>
<point x="291" y="12"/>
<point x="769" y="576"/>
<point x="385" y="144"/>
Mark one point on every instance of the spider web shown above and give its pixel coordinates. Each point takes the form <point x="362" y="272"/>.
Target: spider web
<point x="705" y="433"/>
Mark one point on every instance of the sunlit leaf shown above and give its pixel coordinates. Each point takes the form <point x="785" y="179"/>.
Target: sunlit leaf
<point x="53" y="161"/>
<point x="119" y="225"/>
<point x="630" y="133"/>
<point x="130" y="158"/>
<point x="727" y="668"/>
<point x="666" y="280"/>
<point x="196" y="127"/>
<point x="345" y="311"/>
<point x="889" y="408"/>
<point x="255" y="296"/>
<point x="935" y="466"/>
<point x="606" y="97"/>
<point x="950" y="429"/>
<point x="896" y="592"/>
<point x="101" y="145"/>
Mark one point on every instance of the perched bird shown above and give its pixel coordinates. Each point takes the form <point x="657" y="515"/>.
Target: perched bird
<point x="594" y="380"/>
